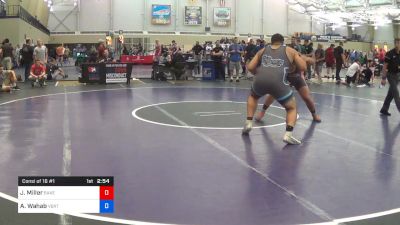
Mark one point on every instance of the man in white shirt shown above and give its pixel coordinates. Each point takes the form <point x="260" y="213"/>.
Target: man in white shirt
<point x="40" y="52"/>
<point x="352" y="72"/>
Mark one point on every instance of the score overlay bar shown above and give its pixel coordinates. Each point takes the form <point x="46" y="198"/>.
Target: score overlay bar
<point x="65" y="194"/>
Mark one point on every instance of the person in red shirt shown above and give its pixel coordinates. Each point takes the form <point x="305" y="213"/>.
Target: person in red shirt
<point x="330" y="61"/>
<point x="157" y="51"/>
<point x="382" y="54"/>
<point x="38" y="73"/>
<point x="60" y="51"/>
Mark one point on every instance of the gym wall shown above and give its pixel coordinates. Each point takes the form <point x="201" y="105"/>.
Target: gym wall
<point x="36" y="8"/>
<point x="135" y="15"/>
<point x="18" y="30"/>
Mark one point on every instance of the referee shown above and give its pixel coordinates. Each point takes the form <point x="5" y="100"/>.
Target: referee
<point x="391" y="72"/>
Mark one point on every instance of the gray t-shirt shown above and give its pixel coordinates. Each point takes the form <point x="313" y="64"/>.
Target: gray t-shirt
<point x="40" y="53"/>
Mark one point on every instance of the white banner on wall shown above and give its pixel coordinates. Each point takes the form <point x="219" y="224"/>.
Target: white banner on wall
<point x="222" y="17"/>
<point x="193" y="15"/>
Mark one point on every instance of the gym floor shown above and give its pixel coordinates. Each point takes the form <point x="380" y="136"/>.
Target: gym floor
<point x="178" y="156"/>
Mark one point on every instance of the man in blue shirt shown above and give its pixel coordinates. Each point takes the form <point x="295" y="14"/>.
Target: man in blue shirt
<point x="235" y="56"/>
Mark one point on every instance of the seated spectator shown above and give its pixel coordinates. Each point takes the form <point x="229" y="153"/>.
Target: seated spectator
<point x="38" y="73"/>
<point x="9" y="80"/>
<point x="178" y="64"/>
<point x="53" y="69"/>
<point x="352" y="72"/>
<point x="166" y="58"/>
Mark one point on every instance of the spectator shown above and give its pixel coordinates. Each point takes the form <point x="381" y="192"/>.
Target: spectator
<point x="125" y="51"/>
<point x="382" y="54"/>
<point x="367" y="76"/>
<point x="197" y="53"/>
<point x="38" y="73"/>
<point x="52" y="68"/>
<point x="7" y="54"/>
<point x="101" y="54"/>
<point x="217" y="56"/>
<point x="352" y="72"/>
<point x="208" y="49"/>
<point x="308" y="46"/>
<point x="301" y="48"/>
<point x="157" y="51"/>
<point x="319" y="60"/>
<point x="370" y="57"/>
<point x="9" y="80"/>
<point x="174" y="47"/>
<point x="250" y="51"/>
<point x="27" y="57"/>
<point x="243" y="61"/>
<point x="140" y="49"/>
<point x="340" y="61"/>
<point x="67" y="54"/>
<point x="235" y="51"/>
<point x="178" y="64"/>
<point x="17" y="56"/>
<point x="330" y="61"/>
<point x="60" y="51"/>
<point x="40" y="52"/>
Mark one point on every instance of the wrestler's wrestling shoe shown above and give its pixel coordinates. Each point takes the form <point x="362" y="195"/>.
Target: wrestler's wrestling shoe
<point x="289" y="139"/>
<point x="247" y="127"/>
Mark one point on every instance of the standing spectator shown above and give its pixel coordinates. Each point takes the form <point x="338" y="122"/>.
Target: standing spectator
<point x="340" y="60"/>
<point x="17" y="56"/>
<point x="7" y="54"/>
<point x="319" y="61"/>
<point x="382" y="54"/>
<point x="174" y="47"/>
<point x="301" y="48"/>
<point x="293" y="44"/>
<point x="308" y="46"/>
<point x="101" y="51"/>
<point x="208" y="50"/>
<point x="243" y="61"/>
<point x="260" y="45"/>
<point x="370" y="57"/>
<point x="67" y="54"/>
<point x="330" y="61"/>
<point x="235" y="51"/>
<point x="60" y="51"/>
<point x="27" y="57"/>
<point x="197" y="53"/>
<point x="40" y="52"/>
<point x="250" y="51"/>
<point x="157" y="51"/>
<point x="217" y="56"/>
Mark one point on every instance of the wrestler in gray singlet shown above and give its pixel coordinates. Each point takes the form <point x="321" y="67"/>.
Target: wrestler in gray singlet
<point x="272" y="75"/>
